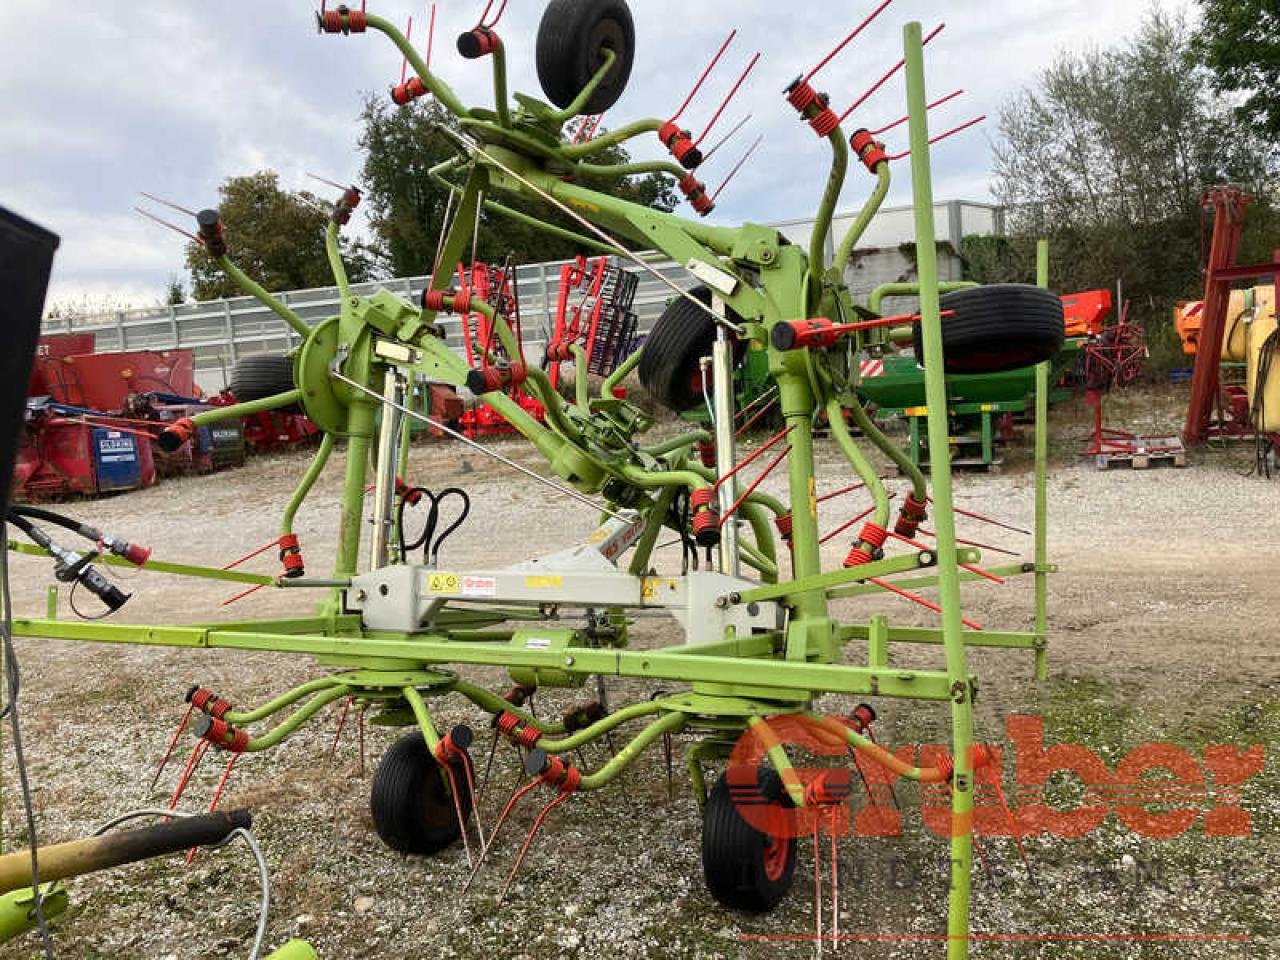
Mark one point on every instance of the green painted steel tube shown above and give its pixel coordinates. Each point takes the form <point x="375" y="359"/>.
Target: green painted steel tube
<point x="423" y="716"/>
<point x="900" y="457"/>
<point x="439" y="89"/>
<point x="827" y="210"/>
<point x="912" y="290"/>
<point x="944" y="515"/>
<point x="287" y="727"/>
<point x="598" y="729"/>
<point x="655" y="521"/>
<point x="859" y="227"/>
<point x="294" y="950"/>
<point x="338" y="268"/>
<point x="161" y="566"/>
<point x="762" y="531"/>
<point x="500" y="104"/>
<point x="1042" y="485"/>
<point x="18" y="909"/>
<point x="573" y="151"/>
<point x="579" y="102"/>
<point x="619" y="170"/>
<point x="581" y="239"/>
<point x="797" y="403"/>
<point x="309" y="479"/>
<point x="238" y="410"/>
<point x="671" y="723"/>
<point x="757" y="561"/>
<point x="255" y="290"/>
<point x="622" y="372"/>
<point x="865" y="470"/>
<point x="361" y="421"/>
<point x="581" y="385"/>
<point x="487" y="700"/>
<point x="878" y="754"/>
<point x="672" y="444"/>
<point x="242" y="717"/>
<point x="656" y="479"/>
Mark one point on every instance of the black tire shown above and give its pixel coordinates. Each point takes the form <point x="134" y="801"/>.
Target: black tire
<point x="681" y="337"/>
<point x="999" y="327"/>
<point x="261" y="376"/>
<point x="572" y="39"/>
<point x="744" y="868"/>
<point x="411" y="803"/>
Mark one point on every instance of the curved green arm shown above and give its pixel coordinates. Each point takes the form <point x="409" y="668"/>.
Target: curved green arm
<point x="283" y="731"/>
<point x="253" y="289"/>
<point x="869" y="210"/>
<point x="423" y="716"/>
<point x="573" y="151"/>
<point x="621" y="373"/>
<point x="655" y="479"/>
<point x="861" y="465"/>
<point x="494" y="704"/>
<point x="581" y="385"/>
<point x="615" y="170"/>
<point x="500" y="86"/>
<point x="339" y="269"/>
<point x="241" y="717"/>
<point x="827" y="208"/>
<point x="911" y="290"/>
<point x="580" y="101"/>
<point x="762" y="531"/>
<point x="672" y="723"/>
<point x="757" y="561"/>
<point x="308" y="481"/>
<point x="673" y="444"/>
<point x="600" y="728"/>
<point x="873" y="751"/>
<point x="890" y="449"/>
<point x="439" y="89"/>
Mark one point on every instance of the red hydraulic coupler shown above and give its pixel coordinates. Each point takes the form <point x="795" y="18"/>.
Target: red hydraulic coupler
<point x="479" y="42"/>
<point x="913" y="514"/>
<point x="868" y="149"/>
<point x="291" y="557"/>
<point x="695" y="192"/>
<point x="446" y="301"/>
<point x="680" y="144"/>
<point x="492" y="379"/>
<point x="211" y="233"/>
<point x="584" y="716"/>
<point x="706" y="517"/>
<point x="409" y="91"/>
<point x="208" y="702"/>
<point x="341" y="19"/>
<point x="221" y="734"/>
<point x="135" y="554"/>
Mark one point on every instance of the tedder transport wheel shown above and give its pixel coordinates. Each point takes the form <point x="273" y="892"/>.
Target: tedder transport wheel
<point x="681" y="337"/>
<point x="411" y="801"/>
<point x="261" y="376"/>
<point x="572" y="39"/>
<point x="999" y="327"/>
<point x="744" y="868"/>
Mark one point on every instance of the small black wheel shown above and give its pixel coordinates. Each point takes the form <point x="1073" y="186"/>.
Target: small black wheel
<point x="261" y="376"/>
<point x="999" y="327"/>
<point x="572" y="39"/>
<point x="670" y="364"/>
<point x="745" y="869"/>
<point x="411" y="800"/>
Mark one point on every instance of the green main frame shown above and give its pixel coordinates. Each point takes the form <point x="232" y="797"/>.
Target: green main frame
<point x="351" y="374"/>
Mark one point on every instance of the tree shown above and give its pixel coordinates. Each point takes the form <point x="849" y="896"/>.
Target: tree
<point x="407" y="207"/>
<point x="275" y="236"/>
<point x="174" y="292"/>
<point x="1240" y="41"/>
<point x="1108" y="157"/>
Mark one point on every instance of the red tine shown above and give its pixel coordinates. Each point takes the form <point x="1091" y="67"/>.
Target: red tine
<point x="404" y="61"/>
<point x="887" y="77"/>
<point x="702" y="79"/>
<point x="166" y="223"/>
<point x="915" y="598"/>
<point x="732" y="93"/>
<point x="738" y="166"/>
<point x="942" y="136"/>
<point x="726" y="138"/>
<point x="173" y="743"/>
<point x="841" y="529"/>
<point x="901" y="120"/>
<point x="846" y="41"/>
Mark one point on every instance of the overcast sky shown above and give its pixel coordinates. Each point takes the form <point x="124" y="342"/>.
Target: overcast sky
<point x="107" y="98"/>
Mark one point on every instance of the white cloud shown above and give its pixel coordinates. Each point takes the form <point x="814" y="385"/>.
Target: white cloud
<point x="106" y="99"/>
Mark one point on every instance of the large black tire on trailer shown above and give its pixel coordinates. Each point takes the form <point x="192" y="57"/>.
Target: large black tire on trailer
<point x="744" y="868"/>
<point x="572" y="38"/>
<point x="681" y="337"/>
<point x="261" y="376"/>
<point x="999" y="327"/>
<point x="412" y="802"/>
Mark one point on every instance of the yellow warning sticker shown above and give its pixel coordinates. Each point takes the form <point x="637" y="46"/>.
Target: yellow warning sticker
<point x="447" y="583"/>
<point x="544" y="582"/>
<point x="649" y="589"/>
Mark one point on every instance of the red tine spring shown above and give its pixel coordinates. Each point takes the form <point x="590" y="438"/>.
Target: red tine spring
<point x="702" y="79"/>
<point x="732" y="93"/>
<point x="846" y="41"/>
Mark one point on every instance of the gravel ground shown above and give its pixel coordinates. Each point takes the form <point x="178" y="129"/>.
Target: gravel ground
<point x="1163" y="623"/>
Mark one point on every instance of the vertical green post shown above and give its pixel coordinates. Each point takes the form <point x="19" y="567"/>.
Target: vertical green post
<point x="1042" y="493"/>
<point x="944" y="517"/>
<point x="361" y="421"/>
<point x="51" y="602"/>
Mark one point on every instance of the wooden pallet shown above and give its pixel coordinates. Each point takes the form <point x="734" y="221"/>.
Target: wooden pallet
<point x="1148" y="452"/>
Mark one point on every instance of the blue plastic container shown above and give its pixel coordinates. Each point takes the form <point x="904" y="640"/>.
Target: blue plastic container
<point x="116" y="460"/>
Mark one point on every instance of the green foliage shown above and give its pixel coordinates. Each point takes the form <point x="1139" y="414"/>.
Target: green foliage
<point x="407" y="207"/>
<point x="174" y="292"/>
<point x="1108" y="157"/>
<point x="275" y="236"/>
<point x="1240" y="41"/>
<point x="997" y="259"/>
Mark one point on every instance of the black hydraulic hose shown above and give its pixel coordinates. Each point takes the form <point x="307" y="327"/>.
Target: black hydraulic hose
<point x="48" y="516"/>
<point x="428" y="540"/>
